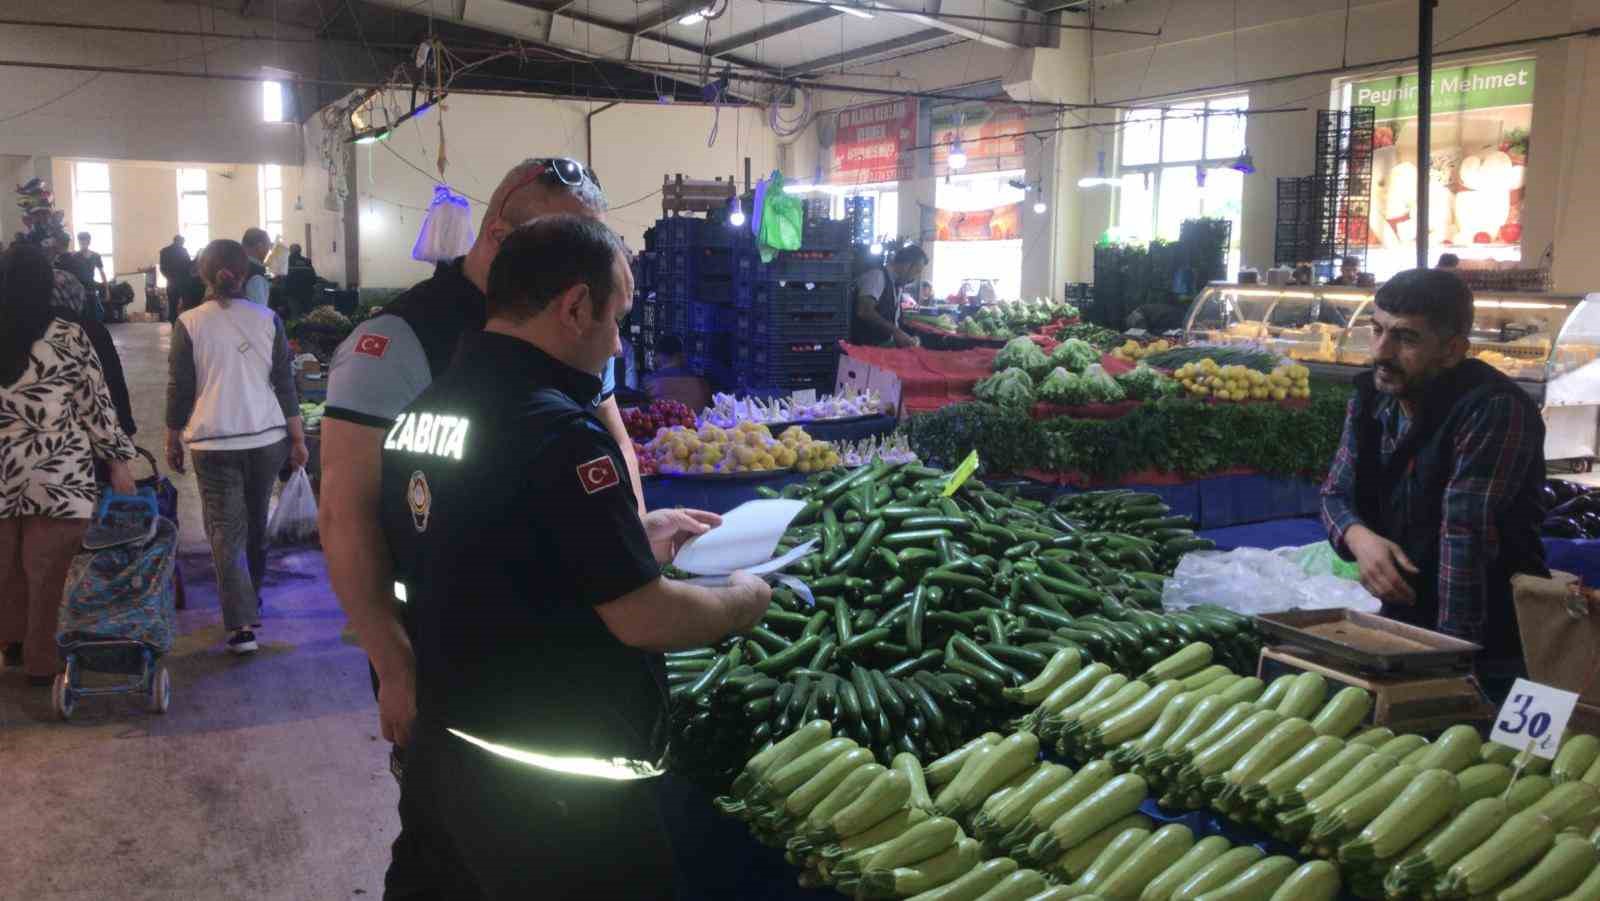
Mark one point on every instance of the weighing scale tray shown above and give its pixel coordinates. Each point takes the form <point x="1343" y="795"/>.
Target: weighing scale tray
<point x="1373" y="643"/>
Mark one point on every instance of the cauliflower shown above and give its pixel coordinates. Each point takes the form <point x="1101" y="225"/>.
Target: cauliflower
<point x="1021" y="353"/>
<point x="1011" y="388"/>
<point x="1074" y="355"/>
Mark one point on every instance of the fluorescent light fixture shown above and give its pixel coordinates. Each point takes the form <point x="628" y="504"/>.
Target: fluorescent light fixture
<point x="1099" y="179"/>
<point x="1039" y="207"/>
<point x="692" y="19"/>
<point x="1245" y="163"/>
<point x="876" y="249"/>
<point x="735" y="212"/>
<point x="373" y="137"/>
<point x="958" y="156"/>
<point x="850" y="11"/>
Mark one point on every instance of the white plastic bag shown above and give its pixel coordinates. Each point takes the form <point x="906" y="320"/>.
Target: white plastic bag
<point x="294" y="518"/>
<point x="446" y="229"/>
<point x="1252" y="581"/>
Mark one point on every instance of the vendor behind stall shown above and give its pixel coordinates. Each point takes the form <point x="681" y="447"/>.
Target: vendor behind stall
<point x="876" y="319"/>
<point x="1431" y="432"/>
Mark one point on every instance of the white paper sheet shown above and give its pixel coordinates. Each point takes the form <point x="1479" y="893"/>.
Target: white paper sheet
<point x="746" y="539"/>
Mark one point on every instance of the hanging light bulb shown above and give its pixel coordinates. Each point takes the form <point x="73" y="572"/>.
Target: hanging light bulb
<point x="735" y="212"/>
<point x="1099" y="179"/>
<point x="1039" y="207"/>
<point x="958" y="156"/>
<point x="876" y="249"/>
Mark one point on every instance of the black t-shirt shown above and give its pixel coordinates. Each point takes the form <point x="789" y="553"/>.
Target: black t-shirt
<point x="85" y="264"/>
<point x="509" y="513"/>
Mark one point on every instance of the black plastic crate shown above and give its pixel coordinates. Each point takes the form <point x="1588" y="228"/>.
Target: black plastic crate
<point x="765" y="385"/>
<point x="805" y="327"/>
<point x="679" y="231"/>
<point x="826" y="234"/>
<point x="646" y="269"/>
<point x="802" y="297"/>
<point x="726" y="291"/>
<point x="786" y="356"/>
<point x="710" y="262"/>
<point x="671" y="316"/>
<point x="717" y="345"/>
<point x="709" y="317"/>
<point x="714" y="368"/>
<point x="811" y="266"/>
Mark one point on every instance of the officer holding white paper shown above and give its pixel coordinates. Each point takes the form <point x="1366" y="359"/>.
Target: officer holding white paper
<point x="538" y="597"/>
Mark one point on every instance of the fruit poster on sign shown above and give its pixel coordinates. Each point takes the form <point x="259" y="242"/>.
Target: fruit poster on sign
<point x="872" y="143"/>
<point x="1481" y="123"/>
<point x="989" y="134"/>
<point x="1003" y="223"/>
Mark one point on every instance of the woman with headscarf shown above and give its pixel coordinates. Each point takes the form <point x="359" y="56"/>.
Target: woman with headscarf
<point x="56" y="418"/>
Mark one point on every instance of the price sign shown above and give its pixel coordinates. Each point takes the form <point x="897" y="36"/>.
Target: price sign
<point x="962" y="473"/>
<point x="801" y="398"/>
<point x="1536" y="715"/>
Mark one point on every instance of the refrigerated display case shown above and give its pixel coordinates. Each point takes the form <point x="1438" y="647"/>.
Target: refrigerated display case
<point x="1548" y="343"/>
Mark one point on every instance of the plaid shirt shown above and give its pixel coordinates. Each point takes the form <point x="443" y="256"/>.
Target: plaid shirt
<point x="1493" y="452"/>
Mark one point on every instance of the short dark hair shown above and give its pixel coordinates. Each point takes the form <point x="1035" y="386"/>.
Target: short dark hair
<point x="1443" y="298"/>
<point x="669" y="346"/>
<point x="910" y="254"/>
<point x="1349" y="261"/>
<point x="540" y="260"/>
<point x="1448" y="261"/>
<point x="255" y="237"/>
<point x="85" y="236"/>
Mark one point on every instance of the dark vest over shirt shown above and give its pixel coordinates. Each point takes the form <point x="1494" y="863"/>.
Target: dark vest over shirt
<point x="888" y="306"/>
<point x="1402" y="498"/>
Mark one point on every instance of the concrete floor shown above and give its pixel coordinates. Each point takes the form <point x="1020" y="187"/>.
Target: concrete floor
<point x="267" y="779"/>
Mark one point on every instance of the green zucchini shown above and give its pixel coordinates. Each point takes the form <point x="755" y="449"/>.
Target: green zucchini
<point x="945" y="867"/>
<point x="790" y="776"/>
<point x="1122" y="847"/>
<point x="780" y="753"/>
<point x="888" y="792"/>
<point x="1420" y="805"/>
<point x="1343" y="712"/>
<point x="1231" y="719"/>
<point x="1205" y="712"/>
<point x="942" y="771"/>
<point x="1123" y="725"/>
<point x="1023" y="885"/>
<point x="1374" y="737"/>
<point x="1562" y="869"/>
<point x="800" y="801"/>
<point x="1484" y="780"/>
<point x="1315" y="880"/>
<point x="1520" y="840"/>
<point x="1089" y="716"/>
<point x="1061" y="800"/>
<point x="1219" y="872"/>
<point x="920" y="842"/>
<point x="1005" y="816"/>
<point x="1455" y="750"/>
<point x="1298" y="823"/>
<point x="1355" y="812"/>
<point x="1014" y="754"/>
<point x="1304" y="697"/>
<point x="1074" y="689"/>
<point x="917" y="795"/>
<point x="1278" y="745"/>
<point x="1402" y="746"/>
<point x="1257" y="883"/>
<point x="819" y="829"/>
<point x="1065" y="664"/>
<point x="1274" y="693"/>
<point x="1202" y="853"/>
<point x="1492" y="752"/>
<point x="880" y="834"/>
<point x="1525" y="790"/>
<point x="1569" y="804"/>
<point x="1216" y="758"/>
<point x="1469" y="829"/>
<point x="1191" y="659"/>
<point x="1304" y="762"/>
<point x="1165" y="847"/>
<point x="1209" y="677"/>
<point x="973" y="884"/>
<point x="949" y="797"/>
<point x="1107" y="804"/>
<point x="1105" y="688"/>
<point x="1578" y="753"/>
<point x="1072" y="864"/>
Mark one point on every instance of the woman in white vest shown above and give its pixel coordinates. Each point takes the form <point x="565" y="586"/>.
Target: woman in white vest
<point x="231" y="399"/>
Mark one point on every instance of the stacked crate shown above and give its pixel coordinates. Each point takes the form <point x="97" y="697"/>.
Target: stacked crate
<point x="789" y="333"/>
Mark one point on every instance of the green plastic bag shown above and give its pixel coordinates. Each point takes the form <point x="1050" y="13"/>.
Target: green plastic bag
<point x="783" y="220"/>
<point x="1321" y="559"/>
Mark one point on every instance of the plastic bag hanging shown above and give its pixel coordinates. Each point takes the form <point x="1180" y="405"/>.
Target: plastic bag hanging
<point x="446" y="229"/>
<point x="782" y="220"/>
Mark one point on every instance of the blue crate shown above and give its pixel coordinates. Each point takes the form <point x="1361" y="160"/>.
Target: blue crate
<point x="709" y="345"/>
<point x="672" y="316"/>
<point x="768" y="324"/>
<point x="709" y="317"/>
<point x="769" y="385"/>
<point x="826" y="234"/>
<point x="811" y="266"/>
<point x="759" y="295"/>
<point x="679" y="231"/>
<point x="804" y="297"/>
<point x="714" y="369"/>
<point x="696" y="263"/>
<point x="786" y="356"/>
<point x="725" y="291"/>
<point x="646" y="269"/>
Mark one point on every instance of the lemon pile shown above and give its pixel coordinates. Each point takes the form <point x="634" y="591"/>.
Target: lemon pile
<point x="813" y="455"/>
<point x="747" y="447"/>
<point x="1204" y="378"/>
<point x="1133" y="351"/>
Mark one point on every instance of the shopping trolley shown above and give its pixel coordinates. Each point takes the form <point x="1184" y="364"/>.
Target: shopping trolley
<point x="117" y="614"/>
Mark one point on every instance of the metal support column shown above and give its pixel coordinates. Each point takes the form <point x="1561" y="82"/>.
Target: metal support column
<point x="1424" y="124"/>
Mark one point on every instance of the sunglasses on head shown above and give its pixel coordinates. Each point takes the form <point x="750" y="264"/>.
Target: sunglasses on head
<point x="555" y="171"/>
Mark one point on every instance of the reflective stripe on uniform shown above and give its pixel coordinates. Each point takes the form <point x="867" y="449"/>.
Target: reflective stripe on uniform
<point x="617" y="769"/>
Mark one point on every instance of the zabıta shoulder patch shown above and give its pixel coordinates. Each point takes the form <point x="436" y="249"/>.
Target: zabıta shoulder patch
<point x="598" y="474"/>
<point x="420" y="498"/>
<point x="372" y="346"/>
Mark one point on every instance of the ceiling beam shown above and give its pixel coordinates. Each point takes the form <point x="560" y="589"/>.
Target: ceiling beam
<point x="868" y="51"/>
<point x="663" y="39"/>
<point x="771" y="30"/>
<point x="1008" y="37"/>
<point x="670" y="11"/>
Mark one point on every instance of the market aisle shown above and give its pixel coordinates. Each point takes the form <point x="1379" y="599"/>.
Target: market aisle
<point x="266" y="780"/>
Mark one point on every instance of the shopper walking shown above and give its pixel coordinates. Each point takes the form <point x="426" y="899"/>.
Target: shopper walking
<point x="257" y="244"/>
<point x="175" y="265"/>
<point x="539" y="599"/>
<point x="231" y="399"/>
<point x="56" y="417"/>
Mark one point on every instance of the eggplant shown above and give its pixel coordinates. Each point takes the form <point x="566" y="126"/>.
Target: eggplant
<point x="1590" y="523"/>
<point x="1549" y="497"/>
<point x="1561" y="527"/>
<point x="1564" y="489"/>
<point x="1583" y="503"/>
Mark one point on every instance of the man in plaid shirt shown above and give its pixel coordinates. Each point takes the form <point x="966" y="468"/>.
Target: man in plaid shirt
<point x="1435" y="489"/>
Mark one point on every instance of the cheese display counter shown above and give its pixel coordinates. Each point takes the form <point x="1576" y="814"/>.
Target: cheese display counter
<point x="1549" y="343"/>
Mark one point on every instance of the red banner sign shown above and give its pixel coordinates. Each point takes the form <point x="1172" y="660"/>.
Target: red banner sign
<point x="1003" y="223"/>
<point x="871" y="143"/>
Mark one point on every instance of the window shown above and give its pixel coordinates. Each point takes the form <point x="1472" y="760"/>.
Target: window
<point x="272" y="200"/>
<point x="885" y="205"/>
<point x="1176" y="164"/>
<point x="272" y="101"/>
<point x="91" y="209"/>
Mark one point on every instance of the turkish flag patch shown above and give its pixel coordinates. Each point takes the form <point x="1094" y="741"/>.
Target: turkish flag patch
<point x="598" y="474"/>
<point x="374" y="346"/>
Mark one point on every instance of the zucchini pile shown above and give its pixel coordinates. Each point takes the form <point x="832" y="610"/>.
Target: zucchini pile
<point x="933" y="614"/>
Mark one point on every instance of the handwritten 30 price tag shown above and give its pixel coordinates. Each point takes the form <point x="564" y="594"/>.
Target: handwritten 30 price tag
<point x="1534" y="714"/>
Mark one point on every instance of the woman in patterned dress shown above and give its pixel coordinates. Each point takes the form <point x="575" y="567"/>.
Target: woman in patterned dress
<point x="56" y="418"/>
